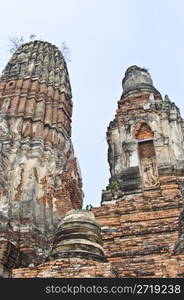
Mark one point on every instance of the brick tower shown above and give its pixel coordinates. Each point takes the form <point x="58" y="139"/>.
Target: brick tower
<point x="145" y="140"/>
<point x="39" y="174"/>
<point x="142" y="204"/>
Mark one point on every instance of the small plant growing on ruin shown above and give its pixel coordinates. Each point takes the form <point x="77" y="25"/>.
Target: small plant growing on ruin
<point x="66" y="51"/>
<point x="15" y="43"/>
<point x="113" y="185"/>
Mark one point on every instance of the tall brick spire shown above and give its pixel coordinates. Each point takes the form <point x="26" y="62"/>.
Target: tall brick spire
<point x="39" y="174"/>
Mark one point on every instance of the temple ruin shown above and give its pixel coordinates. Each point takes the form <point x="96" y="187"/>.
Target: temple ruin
<point x="138" y="230"/>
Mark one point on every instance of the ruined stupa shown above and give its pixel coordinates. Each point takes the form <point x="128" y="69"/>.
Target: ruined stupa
<point x="39" y="174"/>
<point x="138" y="229"/>
<point x="78" y="235"/>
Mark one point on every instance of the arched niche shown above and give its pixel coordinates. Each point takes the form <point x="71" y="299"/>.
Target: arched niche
<point x="142" y="131"/>
<point x="146" y="153"/>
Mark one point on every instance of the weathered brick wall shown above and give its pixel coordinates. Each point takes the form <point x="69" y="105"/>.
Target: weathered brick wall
<point x="67" y="268"/>
<point x="150" y="266"/>
<point x="139" y="236"/>
<point x="140" y="233"/>
<point x="10" y="257"/>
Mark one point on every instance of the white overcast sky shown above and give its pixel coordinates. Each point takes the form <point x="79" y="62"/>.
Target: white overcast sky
<point x="105" y="38"/>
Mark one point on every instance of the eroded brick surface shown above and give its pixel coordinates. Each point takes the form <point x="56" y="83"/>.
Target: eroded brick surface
<point x="40" y="176"/>
<point x="10" y="257"/>
<point x="141" y="213"/>
<point x="140" y="216"/>
<point x="67" y="268"/>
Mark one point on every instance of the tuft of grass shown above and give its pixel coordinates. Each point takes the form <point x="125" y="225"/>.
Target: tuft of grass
<point x="113" y="185"/>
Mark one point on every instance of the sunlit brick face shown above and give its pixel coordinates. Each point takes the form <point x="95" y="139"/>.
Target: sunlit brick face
<point x="40" y="177"/>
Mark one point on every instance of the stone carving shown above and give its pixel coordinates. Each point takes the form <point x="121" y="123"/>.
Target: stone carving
<point x="149" y="172"/>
